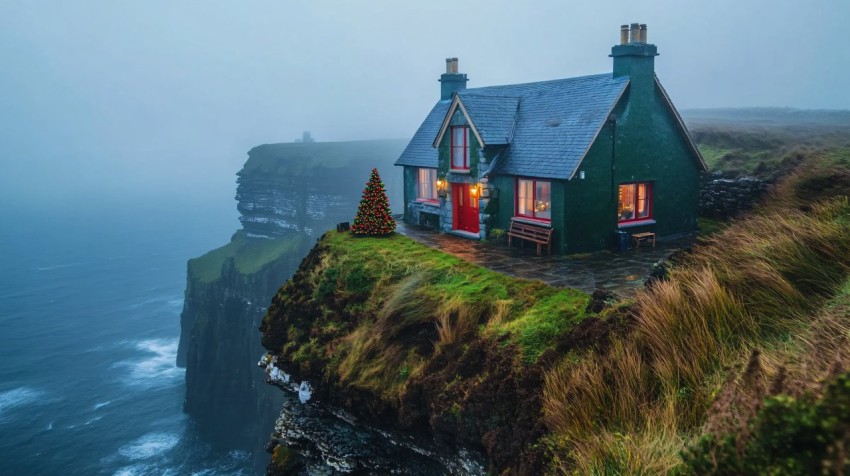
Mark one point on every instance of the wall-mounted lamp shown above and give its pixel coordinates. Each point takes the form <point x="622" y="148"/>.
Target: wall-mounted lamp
<point x="474" y="189"/>
<point x="442" y="187"/>
<point x="581" y="175"/>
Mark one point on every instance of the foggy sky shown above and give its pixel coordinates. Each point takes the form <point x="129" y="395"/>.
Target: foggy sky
<point x="164" y="98"/>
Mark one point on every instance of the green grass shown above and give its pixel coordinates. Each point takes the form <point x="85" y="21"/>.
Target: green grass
<point x="249" y="255"/>
<point x="406" y="285"/>
<point x="713" y="155"/>
<point x="711" y="226"/>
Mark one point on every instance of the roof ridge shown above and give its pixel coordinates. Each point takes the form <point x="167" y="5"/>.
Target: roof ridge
<point x="534" y="83"/>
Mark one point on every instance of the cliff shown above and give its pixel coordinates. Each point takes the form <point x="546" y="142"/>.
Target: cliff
<point x="314" y="187"/>
<point x="227" y="293"/>
<point x="287" y="193"/>
<point x="734" y="362"/>
<point x="412" y="339"/>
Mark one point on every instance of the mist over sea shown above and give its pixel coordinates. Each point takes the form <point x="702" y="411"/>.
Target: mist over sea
<point x="90" y="298"/>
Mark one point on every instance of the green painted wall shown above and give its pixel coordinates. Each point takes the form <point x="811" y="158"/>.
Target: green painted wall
<point x="506" y="204"/>
<point x="409" y="191"/>
<point x="649" y="148"/>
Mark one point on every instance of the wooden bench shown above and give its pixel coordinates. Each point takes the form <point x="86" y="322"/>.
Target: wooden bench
<point x="540" y="235"/>
<point x="647" y="236"/>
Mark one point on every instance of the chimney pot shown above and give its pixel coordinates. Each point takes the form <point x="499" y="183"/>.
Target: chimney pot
<point x="634" y="33"/>
<point x="624" y="34"/>
<point x="454" y="66"/>
<point x="448" y="65"/>
<point x="643" y="32"/>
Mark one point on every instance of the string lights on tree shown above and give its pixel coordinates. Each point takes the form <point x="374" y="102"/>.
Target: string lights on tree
<point x="373" y="215"/>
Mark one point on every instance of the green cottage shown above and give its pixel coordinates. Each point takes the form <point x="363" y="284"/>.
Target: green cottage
<point x="584" y="157"/>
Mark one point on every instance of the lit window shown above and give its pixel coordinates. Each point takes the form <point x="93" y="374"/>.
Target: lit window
<point x="460" y="147"/>
<point x="426" y="185"/>
<point x="635" y="202"/>
<point x="534" y="199"/>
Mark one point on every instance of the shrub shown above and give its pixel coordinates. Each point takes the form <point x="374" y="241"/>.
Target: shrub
<point x="789" y="436"/>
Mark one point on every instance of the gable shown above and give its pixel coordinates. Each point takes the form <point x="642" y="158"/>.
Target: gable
<point x="680" y="125"/>
<point x="457" y="108"/>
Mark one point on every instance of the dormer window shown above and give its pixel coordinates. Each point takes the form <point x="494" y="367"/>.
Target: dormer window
<point x="460" y="147"/>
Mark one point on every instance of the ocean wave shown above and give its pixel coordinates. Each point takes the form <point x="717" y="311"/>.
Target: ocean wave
<point x="99" y="405"/>
<point x="148" y="446"/>
<point x="51" y="268"/>
<point x="167" y="300"/>
<point x="159" y="368"/>
<point x="18" y="397"/>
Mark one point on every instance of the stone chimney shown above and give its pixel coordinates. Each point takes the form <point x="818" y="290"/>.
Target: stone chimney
<point x="451" y="81"/>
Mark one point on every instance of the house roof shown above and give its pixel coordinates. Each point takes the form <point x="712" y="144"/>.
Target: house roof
<point x="549" y="124"/>
<point x="419" y="152"/>
<point x="494" y="115"/>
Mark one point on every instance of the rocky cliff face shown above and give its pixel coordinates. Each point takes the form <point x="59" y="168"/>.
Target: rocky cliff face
<point x="314" y="188"/>
<point x="219" y="345"/>
<point x="287" y="194"/>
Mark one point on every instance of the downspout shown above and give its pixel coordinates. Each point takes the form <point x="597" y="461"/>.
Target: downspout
<point x="612" y="119"/>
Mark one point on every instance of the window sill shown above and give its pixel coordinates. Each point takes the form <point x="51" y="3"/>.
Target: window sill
<point x="459" y="171"/>
<point x="425" y="201"/>
<point x="630" y="224"/>
<point x="532" y="221"/>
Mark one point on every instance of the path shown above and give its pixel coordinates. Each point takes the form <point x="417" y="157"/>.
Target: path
<point x="620" y="272"/>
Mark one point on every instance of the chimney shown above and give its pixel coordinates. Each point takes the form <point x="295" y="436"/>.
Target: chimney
<point x="451" y="81"/>
<point x="624" y="34"/>
<point x="636" y="58"/>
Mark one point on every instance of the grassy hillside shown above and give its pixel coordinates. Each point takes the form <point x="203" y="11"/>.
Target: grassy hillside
<point x="412" y="337"/>
<point x="734" y="363"/>
<point x="766" y="142"/>
<point x="762" y="283"/>
<point x="248" y="254"/>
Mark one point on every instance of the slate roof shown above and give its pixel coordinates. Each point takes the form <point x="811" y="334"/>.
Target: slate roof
<point x="548" y="125"/>
<point x="419" y="152"/>
<point x="493" y="116"/>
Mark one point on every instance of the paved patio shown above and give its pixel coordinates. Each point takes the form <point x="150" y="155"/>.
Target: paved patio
<point x="620" y="272"/>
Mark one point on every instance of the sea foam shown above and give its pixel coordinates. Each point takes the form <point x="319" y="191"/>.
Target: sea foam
<point x="18" y="397"/>
<point x="149" y="445"/>
<point x="159" y="368"/>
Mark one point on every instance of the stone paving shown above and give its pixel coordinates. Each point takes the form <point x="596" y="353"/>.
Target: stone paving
<point x="619" y="272"/>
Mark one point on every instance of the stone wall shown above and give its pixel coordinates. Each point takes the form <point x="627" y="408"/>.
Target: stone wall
<point x="724" y="197"/>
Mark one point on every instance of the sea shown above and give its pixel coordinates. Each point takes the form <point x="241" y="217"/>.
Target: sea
<point x="90" y="300"/>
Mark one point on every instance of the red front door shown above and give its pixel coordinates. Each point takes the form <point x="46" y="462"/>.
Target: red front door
<point x="465" y="207"/>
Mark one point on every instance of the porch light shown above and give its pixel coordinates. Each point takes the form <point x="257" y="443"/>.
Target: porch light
<point x="441" y="184"/>
<point x="475" y="189"/>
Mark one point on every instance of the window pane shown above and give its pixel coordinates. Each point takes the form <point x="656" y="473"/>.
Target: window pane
<point x="457" y="147"/>
<point x="543" y="200"/>
<point x="626" y="202"/>
<point x="642" y="200"/>
<point x="524" y="197"/>
<point x="426" y="184"/>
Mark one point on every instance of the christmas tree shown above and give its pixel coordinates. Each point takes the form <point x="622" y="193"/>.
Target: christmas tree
<point x="373" y="214"/>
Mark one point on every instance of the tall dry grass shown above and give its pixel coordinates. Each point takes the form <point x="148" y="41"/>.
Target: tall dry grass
<point x="752" y="284"/>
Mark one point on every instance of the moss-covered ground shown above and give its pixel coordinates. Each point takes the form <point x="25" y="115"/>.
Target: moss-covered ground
<point x="249" y="255"/>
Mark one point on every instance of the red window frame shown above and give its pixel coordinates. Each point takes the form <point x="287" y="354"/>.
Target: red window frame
<point x="649" y="203"/>
<point x="465" y="147"/>
<point x="517" y="214"/>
